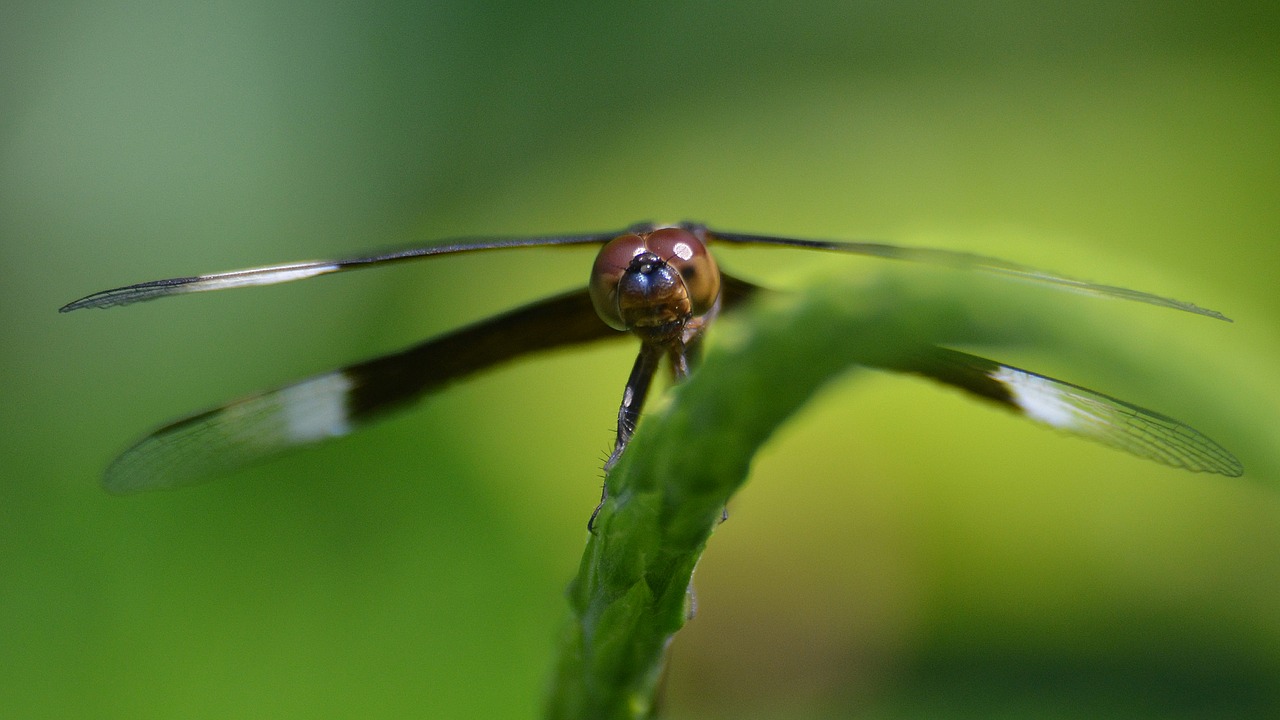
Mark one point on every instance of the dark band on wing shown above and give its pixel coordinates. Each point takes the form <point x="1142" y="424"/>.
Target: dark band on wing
<point x="333" y="404"/>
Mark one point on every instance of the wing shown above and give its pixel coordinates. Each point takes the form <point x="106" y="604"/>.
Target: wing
<point x="258" y="427"/>
<point x="1048" y="401"/>
<point x="1076" y="410"/>
<point x="961" y="260"/>
<point x="272" y="274"/>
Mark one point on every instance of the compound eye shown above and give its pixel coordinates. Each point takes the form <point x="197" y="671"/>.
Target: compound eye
<point x="687" y="255"/>
<point x="610" y="266"/>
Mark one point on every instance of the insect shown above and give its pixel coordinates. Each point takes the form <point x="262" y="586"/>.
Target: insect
<point x="657" y="282"/>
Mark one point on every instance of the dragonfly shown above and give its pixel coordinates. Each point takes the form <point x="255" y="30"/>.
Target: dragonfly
<point x="659" y="283"/>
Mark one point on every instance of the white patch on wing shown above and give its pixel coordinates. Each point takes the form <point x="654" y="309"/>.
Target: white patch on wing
<point x="316" y="409"/>
<point x="266" y="277"/>
<point x="1044" y="400"/>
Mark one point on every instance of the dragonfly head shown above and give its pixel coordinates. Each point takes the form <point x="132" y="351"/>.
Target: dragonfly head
<point x="651" y="279"/>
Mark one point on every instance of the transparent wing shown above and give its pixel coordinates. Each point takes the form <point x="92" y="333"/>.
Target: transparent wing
<point x="333" y="404"/>
<point x="272" y="274"/>
<point x="948" y="258"/>
<point x="1076" y="410"/>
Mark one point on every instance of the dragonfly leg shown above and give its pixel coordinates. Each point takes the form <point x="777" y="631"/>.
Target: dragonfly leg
<point x="633" y="397"/>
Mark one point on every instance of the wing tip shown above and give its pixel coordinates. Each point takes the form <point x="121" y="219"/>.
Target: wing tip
<point x="84" y="302"/>
<point x="1192" y="308"/>
<point x="1228" y="466"/>
<point x="111" y="298"/>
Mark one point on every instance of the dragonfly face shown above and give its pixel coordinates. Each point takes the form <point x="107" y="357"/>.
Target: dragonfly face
<point x="661" y="284"/>
<point x="647" y="280"/>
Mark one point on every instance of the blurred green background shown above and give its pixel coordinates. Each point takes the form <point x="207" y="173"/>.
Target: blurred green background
<point x="900" y="552"/>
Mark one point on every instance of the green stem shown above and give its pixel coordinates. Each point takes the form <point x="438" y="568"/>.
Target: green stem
<point x="668" y="492"/>
<point x="688" y="458"/>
